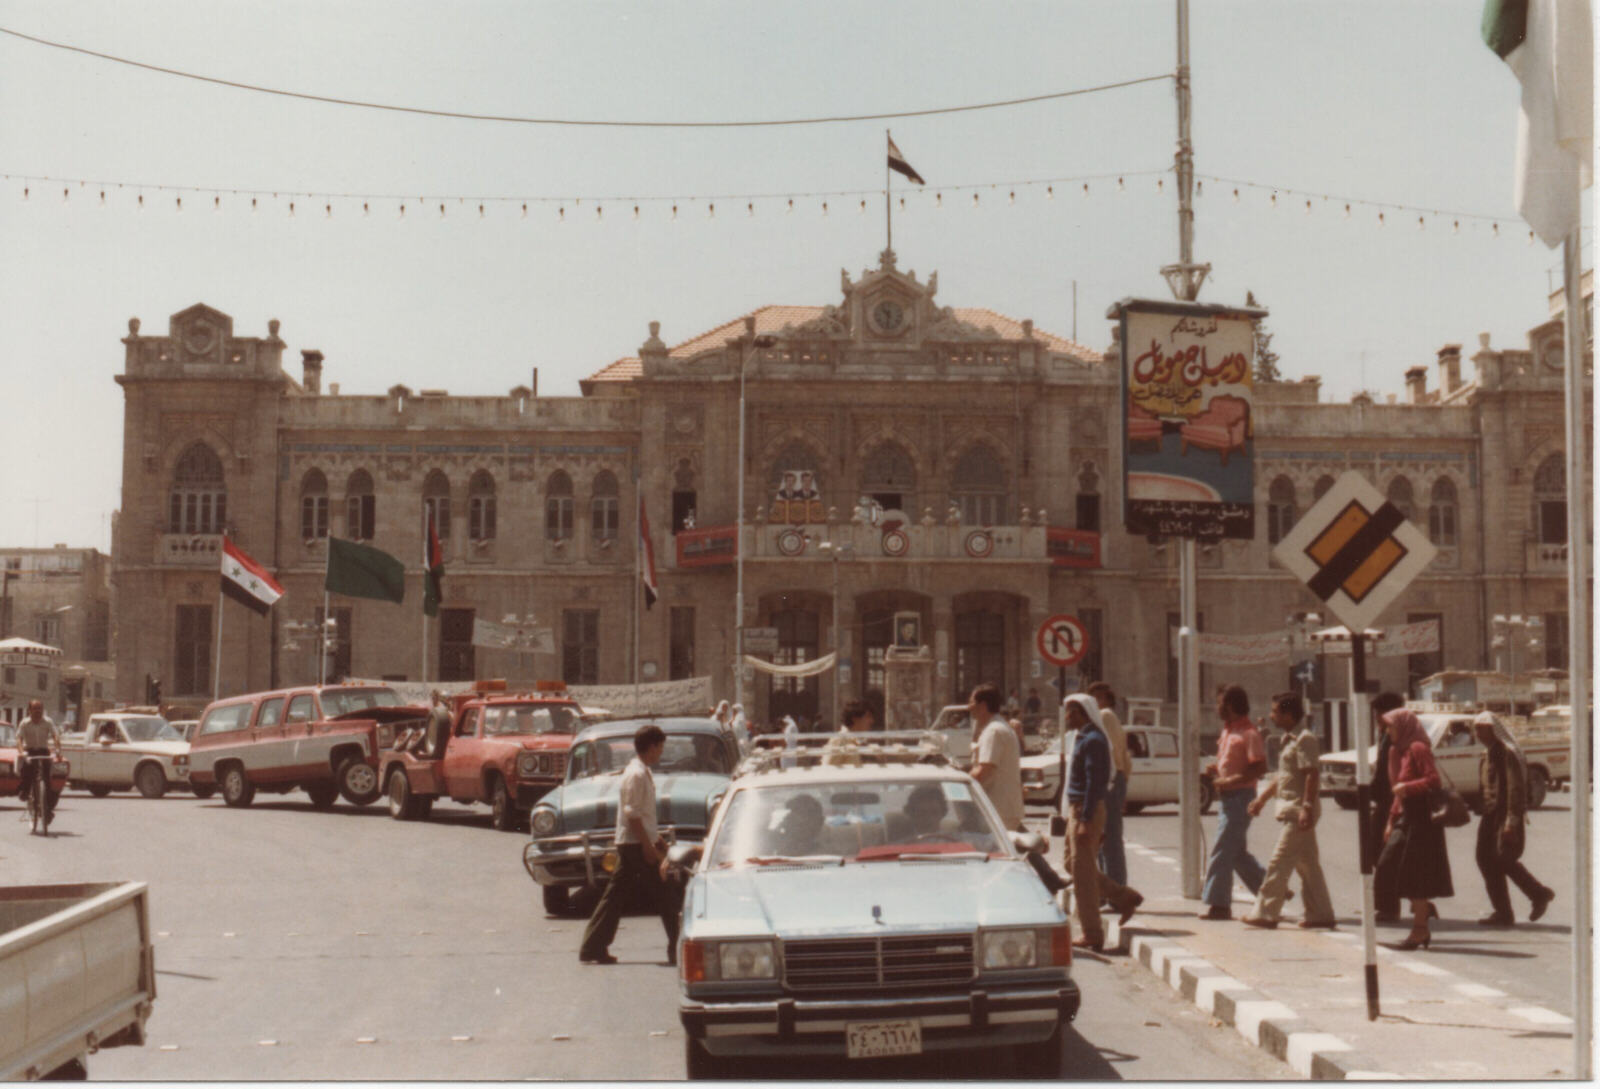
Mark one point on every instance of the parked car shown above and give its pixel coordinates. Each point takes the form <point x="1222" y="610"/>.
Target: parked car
<point x="322" y="739"/>
<point x="124" y="750"/>
<point x="1153" y="752"/>
<point x="1456" y="751"/>
<point x="504" y="750"/>
<point x="833" y="913"/>
<point x="11" y="767"/>
<point x="574" y="825"/>
<point x="953" y="724"/>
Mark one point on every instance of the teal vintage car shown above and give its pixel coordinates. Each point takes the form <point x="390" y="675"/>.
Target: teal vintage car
<point x="574" y="825"/>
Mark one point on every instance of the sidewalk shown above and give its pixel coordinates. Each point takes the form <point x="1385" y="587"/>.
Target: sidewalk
<point x="1301" y="994"/>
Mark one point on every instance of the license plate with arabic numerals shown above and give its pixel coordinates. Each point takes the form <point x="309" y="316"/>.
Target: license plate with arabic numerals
<point x="873" y="1039"/>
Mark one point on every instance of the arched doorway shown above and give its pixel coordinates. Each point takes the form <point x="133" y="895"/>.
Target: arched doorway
<point x="876" y="611"/>
<point x="799" y="618"/>
<point x="984" y="641"/>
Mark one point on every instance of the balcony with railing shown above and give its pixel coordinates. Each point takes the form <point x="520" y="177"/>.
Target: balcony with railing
<point x="189" y="550"/>
<point x="910" y="542"/>
<point x="1547" y="558"/>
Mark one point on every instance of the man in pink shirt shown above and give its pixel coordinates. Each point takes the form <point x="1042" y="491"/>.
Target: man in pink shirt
<point x="1241" y="760"/>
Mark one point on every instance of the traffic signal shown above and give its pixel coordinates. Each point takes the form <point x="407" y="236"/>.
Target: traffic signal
<point x="155" y="692"/>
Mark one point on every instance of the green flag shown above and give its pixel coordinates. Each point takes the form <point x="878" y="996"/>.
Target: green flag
<point x="360" y="571"/>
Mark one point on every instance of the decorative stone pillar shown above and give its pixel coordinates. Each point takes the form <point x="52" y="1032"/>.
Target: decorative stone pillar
<point x="908" y="700"/>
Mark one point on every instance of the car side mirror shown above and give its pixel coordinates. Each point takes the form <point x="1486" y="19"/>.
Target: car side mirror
<point x="684" y="855"/>
<point x="1029" y="843"/>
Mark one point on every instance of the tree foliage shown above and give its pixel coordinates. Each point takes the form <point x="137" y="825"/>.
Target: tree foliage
<point x="1266" y="368"/>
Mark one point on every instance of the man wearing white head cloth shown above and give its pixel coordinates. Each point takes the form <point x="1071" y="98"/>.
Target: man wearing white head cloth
<point x="1503" y="786"/>
<point x="1084" y="802"/>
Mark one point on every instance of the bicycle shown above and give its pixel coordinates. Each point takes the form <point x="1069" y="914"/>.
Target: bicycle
<point x="39" y="811"/>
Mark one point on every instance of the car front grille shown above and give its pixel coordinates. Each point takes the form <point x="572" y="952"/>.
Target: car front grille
<point x="886" y="963"/>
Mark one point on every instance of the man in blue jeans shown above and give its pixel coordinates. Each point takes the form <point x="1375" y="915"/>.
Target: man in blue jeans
<point x="1113" y="859"/>
<point x="1241" y="760"/>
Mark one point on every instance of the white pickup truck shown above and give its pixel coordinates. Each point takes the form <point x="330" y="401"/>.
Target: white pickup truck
<point x="1456" y="751"/>
<point x="77" y="973"/>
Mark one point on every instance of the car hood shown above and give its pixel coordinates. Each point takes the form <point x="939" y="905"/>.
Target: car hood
<point x="536" y="742"/>
<point x="592" y="802"/>
<point x="158" y="748"/>
<point x="834" y="900"/>
<point x="1348" y="756"/>
<point x="1042" y="760"/>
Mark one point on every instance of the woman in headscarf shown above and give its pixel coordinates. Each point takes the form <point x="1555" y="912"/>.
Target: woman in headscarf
<point x="1412" y="843"/>
<point x="720" y="715"/>
<point x="1503" y="786"/>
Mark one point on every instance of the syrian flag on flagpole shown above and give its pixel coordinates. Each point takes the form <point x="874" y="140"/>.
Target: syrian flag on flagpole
<point x="1549" y="46"/>
<point x="647" y="553"/>
<point x="432" y="567"/>
<point x="246" y="581"/>
<point x="897" y="163"/>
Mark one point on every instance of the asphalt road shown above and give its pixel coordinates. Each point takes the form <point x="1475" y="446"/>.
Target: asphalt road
<point x="1531" y="960"/>
<point x="294" y="944"/>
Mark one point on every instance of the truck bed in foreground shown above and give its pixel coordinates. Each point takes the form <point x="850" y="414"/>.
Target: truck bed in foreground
<point x="77" y="973"/>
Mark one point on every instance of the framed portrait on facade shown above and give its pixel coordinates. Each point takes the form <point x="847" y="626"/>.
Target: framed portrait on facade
<point x="907" y="631"/>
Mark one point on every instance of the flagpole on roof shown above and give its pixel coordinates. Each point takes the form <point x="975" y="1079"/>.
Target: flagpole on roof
<point x="888" y="207"/>
<point x="216" y="676"/>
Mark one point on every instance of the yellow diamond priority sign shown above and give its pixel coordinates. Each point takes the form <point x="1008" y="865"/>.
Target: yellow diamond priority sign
<point x="1355" y="551"/>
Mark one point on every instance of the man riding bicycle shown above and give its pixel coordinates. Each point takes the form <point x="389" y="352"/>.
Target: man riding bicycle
<point x="37" y="737"/>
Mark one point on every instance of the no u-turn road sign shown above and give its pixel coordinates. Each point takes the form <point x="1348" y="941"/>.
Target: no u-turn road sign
<point x="1062" y="640"/>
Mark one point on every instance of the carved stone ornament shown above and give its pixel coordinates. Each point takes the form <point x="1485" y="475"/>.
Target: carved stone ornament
<point x="832" y="323"/>
<point x="684" y="422"/>
<point x="946" y="326"/>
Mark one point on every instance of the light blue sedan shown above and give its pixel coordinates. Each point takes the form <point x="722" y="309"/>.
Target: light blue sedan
<point x="854" y="912"/>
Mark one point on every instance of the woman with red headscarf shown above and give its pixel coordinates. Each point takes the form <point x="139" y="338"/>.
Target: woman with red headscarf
<point x="1412" y="843"/>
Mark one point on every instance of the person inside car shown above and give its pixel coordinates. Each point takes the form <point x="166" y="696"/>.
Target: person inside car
<point x="799" y="827"/>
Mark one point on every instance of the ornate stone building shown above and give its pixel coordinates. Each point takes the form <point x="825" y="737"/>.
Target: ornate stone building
<point x="961" y="465"/>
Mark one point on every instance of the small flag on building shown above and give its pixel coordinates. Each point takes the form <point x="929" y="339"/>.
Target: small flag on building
<point x="647" y="561"/>
<point x="246" y="581"/>
<point x="1549" y="46"/>
<point x="432" y="567"/>
<point x="897" y="163"/>
<point x="357" y="570"/>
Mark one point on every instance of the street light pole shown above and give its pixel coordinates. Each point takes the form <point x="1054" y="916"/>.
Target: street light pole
<point x="836" y="550"/>
<point x="751" y="344"/>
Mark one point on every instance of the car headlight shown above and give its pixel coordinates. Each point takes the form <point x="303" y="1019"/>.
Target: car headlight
<point x="385" y="736"/>
<point x="610" y="861"/>
<point x="527" y="763"/>
<point x="181" y="760"/>
<point x="1032" y="775"/>
<point x="741" y="960"/>
<point x="544" y="822"/>
<point x="1004" y="949"/>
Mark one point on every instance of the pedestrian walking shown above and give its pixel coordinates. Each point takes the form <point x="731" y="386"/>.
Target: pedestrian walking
<point x="1113" y="859"/>
<point x="1503" y="786"/>
<point x="1241" y="761"/>
<point x="1412" y="842"/>
<point x="642" y="871"/>
<point x="1084" y="799"/>
<point x="997" y="757"/>
<point x="1385" y="897"/>
<point x="1299" y="809"/>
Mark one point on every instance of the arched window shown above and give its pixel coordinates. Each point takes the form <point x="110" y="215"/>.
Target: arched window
<point x="1442" y="513"/>
<point x="199" y="499"/>
<point x="978" y="487"/>
<point x="889" y="476"/>
<point x="1550" y="500"/>
<point x="436" y="501"/>
<point x="360" y="507"/>
<point x="1089" y="498"/>
<point x="480" y="506"/>
<point x="795" y="471"/>
<point x="1400" y="495"/>
<point x="1281" y="512"/>
<point x="558" y="507"/>
<point x="603" y="506"/>
<point x="313" y="506"/>
<point x="1323" y="484"/>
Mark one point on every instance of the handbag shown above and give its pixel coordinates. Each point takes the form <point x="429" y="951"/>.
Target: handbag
<point x="1447" y="808"/>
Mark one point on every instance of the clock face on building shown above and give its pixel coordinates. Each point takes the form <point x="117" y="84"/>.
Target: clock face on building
<point x="888" y="316"/>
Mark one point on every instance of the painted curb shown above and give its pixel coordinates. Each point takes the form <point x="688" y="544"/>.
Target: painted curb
<point x="1263" y="1022"/>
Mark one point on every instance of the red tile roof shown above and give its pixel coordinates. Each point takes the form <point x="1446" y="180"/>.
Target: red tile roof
<point x="772" y="319"/>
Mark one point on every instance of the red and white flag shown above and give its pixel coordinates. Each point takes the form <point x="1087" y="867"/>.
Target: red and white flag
<point x="246" y="581"/>
<point x="647" y="558"/>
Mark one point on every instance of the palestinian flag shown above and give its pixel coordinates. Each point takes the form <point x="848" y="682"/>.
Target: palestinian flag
<point x="1549" y="46"/>
<point x="897" y="163"/>
<point x="432" y="567"/>
<point x="647" y="558"/>
<point x="246" y="581"/>
<point x="358" y="570"/>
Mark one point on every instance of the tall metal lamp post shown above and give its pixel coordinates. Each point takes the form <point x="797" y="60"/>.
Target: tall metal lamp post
<point x="836" y="550"/>
<point x="752" y="344"/>
<point x="1509" y="632"/>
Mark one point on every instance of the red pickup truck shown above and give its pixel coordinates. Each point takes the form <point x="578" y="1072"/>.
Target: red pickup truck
<point x="506" y="750"/>
<point x="325" y="740"/>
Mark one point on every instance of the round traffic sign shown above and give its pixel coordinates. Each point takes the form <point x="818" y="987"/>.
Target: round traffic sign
<point x="1062" y="640"/>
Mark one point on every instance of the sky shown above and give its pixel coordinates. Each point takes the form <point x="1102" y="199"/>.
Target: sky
<point x="1398" y="104"/>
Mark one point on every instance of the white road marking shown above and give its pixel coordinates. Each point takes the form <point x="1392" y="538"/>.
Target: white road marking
<point x="266" y="1043"/>
<point x="168" y="1047"/>
<point x="1479" y="990"/>
<point x="366" y="1039"/>
<point x="1541" y="1016"/>
<point x="459" y="1039"/>
<point x="1416" y="967"/>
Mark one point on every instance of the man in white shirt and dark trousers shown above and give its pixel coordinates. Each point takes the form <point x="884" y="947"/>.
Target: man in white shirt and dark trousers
<point x="643" y="869"/>
<point x="997" y="763"/>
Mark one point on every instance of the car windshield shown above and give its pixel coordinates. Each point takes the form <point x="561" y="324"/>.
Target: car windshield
<point x="529" y="719"/>
<point x="150" y="729"/>
<point x="855" y="821"/>
<point x="8" y="736"/>
<point x="685" y="754"/>
<point x="341" y="701"/>
<point x="952" y="718"/>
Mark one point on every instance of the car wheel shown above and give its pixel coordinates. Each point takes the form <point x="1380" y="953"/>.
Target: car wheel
<point x="402" y="802"/>
<point x="151" y="781"/>
<point x="99" y="790"/>
<point x="1538" y="787"/>
<point x="237" y="790"/>
<point x="203" y="790"/>
<point x="322" y="795"/>
<point x="1346" y="801"/>
<point x="357" y="780"/>
<point x="1041" y="1059"/>
<point x="701" y="1065"/>
<point x="556" y="900"/>
<point x="505" y="810"/>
